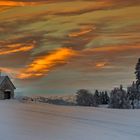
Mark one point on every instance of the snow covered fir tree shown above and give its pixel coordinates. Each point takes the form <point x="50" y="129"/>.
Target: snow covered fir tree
<point x="134" y="89"/>
<point x="137" y="72"/>
<point x="119" y="98"/>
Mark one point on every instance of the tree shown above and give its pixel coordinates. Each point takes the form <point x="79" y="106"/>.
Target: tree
<point x="119" y="98"/>
<point x="97" y="97"/>
<point x="85" y="98"/>
<point x="137" y="72"/>
<point x="134" y="95"/>
<point x="105" y="97"/>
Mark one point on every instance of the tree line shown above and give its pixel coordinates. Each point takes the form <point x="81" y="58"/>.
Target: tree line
<point x="117" y="98"/>
<point x="85" y="98"/>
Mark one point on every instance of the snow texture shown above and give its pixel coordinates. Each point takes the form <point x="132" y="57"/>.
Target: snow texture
<point x="26" y="121"/>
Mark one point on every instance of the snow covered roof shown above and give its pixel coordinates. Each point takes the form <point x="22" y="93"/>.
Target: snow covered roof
<point x="3" y="78"/>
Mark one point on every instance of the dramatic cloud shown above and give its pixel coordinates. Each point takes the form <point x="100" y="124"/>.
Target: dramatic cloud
<point x="40" y="38"/>
<point x="14" y="48"/>
<point x="42" y="65"/>
<point x="15" y="3"/>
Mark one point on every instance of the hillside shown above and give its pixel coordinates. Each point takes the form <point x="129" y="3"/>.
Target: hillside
<point x="26" y="121"/>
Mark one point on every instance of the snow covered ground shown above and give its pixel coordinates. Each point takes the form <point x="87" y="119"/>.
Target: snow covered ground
<point x="20" y="121"/>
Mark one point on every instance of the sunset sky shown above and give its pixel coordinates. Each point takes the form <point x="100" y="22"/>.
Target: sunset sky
<point x="59" y="46"/>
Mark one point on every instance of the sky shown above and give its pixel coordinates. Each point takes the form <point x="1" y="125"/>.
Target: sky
<point x="60" y="46"/>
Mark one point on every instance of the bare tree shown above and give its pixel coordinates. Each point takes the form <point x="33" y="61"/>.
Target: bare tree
<point x="85" y="98"/>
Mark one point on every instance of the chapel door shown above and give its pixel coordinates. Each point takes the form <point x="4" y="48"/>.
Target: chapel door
<point x="7" y="95"/>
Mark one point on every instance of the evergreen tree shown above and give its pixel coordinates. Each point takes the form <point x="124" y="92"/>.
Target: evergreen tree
<point x="97" y="97"/>
<point x="137" y="72"/>
<point x="119" y="98"/>
<point x="102" y="97"/>
<point x="106" y="98"/>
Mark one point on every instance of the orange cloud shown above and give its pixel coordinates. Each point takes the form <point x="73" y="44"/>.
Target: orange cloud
<point x="10" y="71"/>
<point x="42" y="65"/>
<point x="14" y="48"/>
<point x="100" y="64"/>
<point x="5" y="70"/>
<point x="12" y="3"/>
<point x="82" y="32"/>
<point x="120" y="48"/>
